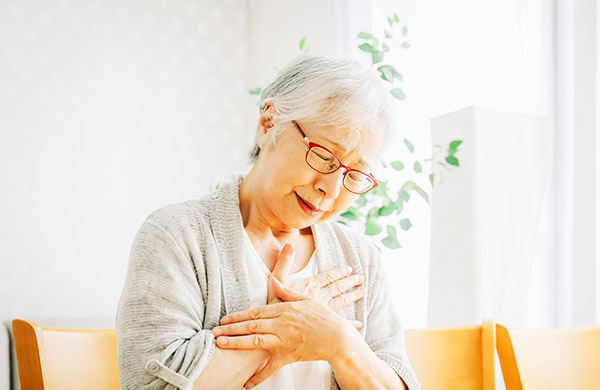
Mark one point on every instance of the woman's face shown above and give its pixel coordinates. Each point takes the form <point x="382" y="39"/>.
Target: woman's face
<point x="294" y="193"/>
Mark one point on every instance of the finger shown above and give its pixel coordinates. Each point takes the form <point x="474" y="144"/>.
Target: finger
<point x="346" y="299"/>
<point x="244" y="328"/>
<point x="356" y="324"/>
<point x="284" y="262"/>
<point x="285" y="293"/>
<point x="341" y="285"/>
<point x="255" y="341"/>
<point x="327" y="277"/>
<point x="269" y="311"/>
<point x="269" y="369"/>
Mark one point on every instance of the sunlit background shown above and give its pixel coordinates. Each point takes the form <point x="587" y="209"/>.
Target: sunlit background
<point x="112" y="109"/>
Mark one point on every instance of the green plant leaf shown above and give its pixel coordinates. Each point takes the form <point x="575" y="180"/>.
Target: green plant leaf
<point x="384" y="211"/>
<point x="409" y="145"/>
<point x="417" y="167"/>
<point x="397" y="75"/>
<point x="385" y="48"/>
<point x="404" y="31"/>
<point x="423" y="193"/>
<point x="390" y="21"/>
<point x="397" y="165"/>
<point x="381" y="189"/>
<point x="350" y="214"/>
<point x="302" y="42"/>
<point x="399" y="207"/>
<point x="452" y="160"/>
<point x="367" y="47"/>
<point x="455" y="144"/>
<point x="361" y="201"/>
<point x="396" y="18"/>
<point x="405" y="224"/>
<point x="405" y="45"/>
<point x="373" y="213"/>
<point x="431" y="178"/>
<point x="388" y="35"/>
<point x="369" y="37"/>
<point x="371" y="228"/>
<point x="412" y="186"/>
<point x="377" y="56"/>
<point x="403" y="195"/>
<point x="391" y="241"/>
<point x="255" y="91"/>
<point x="398" y="94"/>
<point x="386" y="73"/>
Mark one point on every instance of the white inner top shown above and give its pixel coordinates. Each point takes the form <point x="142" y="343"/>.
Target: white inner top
<point x="294" y="376"/>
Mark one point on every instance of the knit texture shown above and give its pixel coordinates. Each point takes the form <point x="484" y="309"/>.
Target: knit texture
<point x="187" y="269"/>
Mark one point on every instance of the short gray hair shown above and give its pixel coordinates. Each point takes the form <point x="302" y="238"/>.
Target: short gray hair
<point x="334" y="91"/>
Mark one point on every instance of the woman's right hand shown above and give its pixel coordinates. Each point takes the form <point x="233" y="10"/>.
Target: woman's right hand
<point x="331" y="288"/>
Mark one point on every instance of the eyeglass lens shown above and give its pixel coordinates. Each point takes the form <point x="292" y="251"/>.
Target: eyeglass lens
<point x="323" y="161"/>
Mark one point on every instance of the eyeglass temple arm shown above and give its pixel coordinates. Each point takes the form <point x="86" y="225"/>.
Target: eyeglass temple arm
<point x="300" y="130"/>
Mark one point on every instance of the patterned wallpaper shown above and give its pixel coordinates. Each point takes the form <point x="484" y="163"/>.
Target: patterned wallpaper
<point x="108" y="110"/>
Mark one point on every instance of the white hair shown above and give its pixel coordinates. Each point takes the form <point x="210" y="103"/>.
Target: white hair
<point x="333" y="91"/>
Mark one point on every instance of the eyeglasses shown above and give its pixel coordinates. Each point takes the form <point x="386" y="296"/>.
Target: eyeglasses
<point x="324" y="161"/>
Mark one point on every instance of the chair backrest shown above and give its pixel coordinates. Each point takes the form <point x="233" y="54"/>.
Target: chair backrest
<point x="548" y="359"/>
<point x="64" y="359"/>
<point x="453" y="358"/>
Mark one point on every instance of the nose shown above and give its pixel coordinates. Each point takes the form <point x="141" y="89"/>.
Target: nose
<point x="330" y="184"/>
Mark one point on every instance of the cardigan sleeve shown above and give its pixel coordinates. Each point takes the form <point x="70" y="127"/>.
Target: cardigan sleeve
<point x="384" y="333"/>
<point x="161" y="340"/>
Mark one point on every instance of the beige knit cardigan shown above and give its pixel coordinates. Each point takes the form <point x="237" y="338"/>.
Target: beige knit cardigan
<point x="187" y="269"/>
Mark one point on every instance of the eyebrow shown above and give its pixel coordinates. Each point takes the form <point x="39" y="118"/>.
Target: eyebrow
<point x="344" y="148"/>
<point x="337" y="144"/>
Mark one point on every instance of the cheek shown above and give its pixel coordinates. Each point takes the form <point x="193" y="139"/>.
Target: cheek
<point x="342" y="203"/>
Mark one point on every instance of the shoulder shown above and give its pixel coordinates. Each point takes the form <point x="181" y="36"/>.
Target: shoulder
<point x="178" y="218"/>
<point x="351" y="240"/>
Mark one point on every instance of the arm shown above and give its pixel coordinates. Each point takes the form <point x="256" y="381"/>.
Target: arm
<point x="357" y="367"/>
<point x="230" y="369"/>
<point x="165" y="317"/>
<point x="302" y="329"/>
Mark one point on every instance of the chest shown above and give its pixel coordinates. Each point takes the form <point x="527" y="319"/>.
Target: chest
<point x="269" y="252"/>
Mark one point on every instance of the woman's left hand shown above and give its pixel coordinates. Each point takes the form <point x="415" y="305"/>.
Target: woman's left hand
<point x="299" y="329"/>
<point x="335" y="288"/>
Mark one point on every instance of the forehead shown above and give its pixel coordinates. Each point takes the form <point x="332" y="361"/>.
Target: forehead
<point x="351" y="144"/>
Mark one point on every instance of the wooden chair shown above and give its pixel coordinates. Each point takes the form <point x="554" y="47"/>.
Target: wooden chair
<point x="549" y="359"/>
<point x="64" y="359"/>
<point x="453" y="358"/>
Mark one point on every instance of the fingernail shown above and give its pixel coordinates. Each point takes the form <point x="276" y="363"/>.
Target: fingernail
<point x="348" y="269"/>
<point x="224" y="320"/>
<point x="363" y="290"/>
<point x="217" y="332"/>
<point x="288" y="248"/>
<point x="249" y="385"/>
<point x="361" y="278"/>
<point x="222" y="341"/>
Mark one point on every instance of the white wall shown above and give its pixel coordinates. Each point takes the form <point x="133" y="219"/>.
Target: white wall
<point x="108" y="111"/>
<point x="575" y="40"/>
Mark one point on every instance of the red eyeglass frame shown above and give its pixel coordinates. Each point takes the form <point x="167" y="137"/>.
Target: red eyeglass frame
<point x="341" y="165"/>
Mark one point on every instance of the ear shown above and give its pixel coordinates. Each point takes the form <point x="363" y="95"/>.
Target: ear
<point x="265" y="123"/>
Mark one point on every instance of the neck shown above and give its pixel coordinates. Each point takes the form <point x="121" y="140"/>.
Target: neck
<point x="257" y="216"/>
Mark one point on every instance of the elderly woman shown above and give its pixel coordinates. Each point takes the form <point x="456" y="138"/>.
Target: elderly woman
<point x="254" y="285"/>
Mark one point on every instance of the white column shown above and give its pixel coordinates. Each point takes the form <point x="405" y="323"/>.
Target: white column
<point x="492" y="219"/>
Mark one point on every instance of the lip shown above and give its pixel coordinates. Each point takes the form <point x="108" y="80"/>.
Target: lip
<point x="308" y="208"/>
